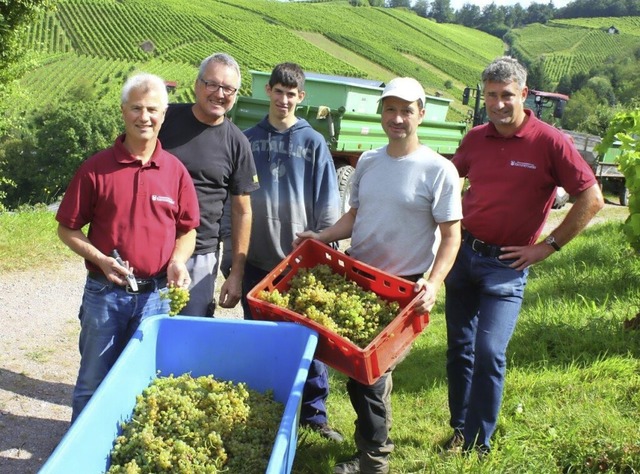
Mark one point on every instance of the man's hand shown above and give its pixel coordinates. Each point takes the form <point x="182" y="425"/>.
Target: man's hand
<point x="527" y="255"/>
<point x="177" y="274"/>
<point x="231" y="292"/>
<point x="425" y="304"/>
<point x="302" y="236"/>
<point x="115" y="272"/>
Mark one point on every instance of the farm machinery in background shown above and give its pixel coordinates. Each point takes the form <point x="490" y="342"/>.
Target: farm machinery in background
<point x="549" y="106"/>
<point x="345" y="111"/>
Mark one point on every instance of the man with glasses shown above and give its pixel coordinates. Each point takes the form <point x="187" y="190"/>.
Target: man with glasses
<point x="218" y="157"/>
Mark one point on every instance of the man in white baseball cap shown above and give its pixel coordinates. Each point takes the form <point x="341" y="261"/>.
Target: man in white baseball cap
<point x="403" y="181"/>
<point x="405" y="88"/>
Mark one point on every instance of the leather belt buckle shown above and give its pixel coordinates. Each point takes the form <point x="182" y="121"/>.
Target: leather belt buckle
<point x="144" y="286"/>
<point x="481" y="246"/>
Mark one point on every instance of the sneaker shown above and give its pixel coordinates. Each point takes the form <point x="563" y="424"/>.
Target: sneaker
<point x="324" y="430"/>
<point x="454" y="443"/>
<point x="348" y="467"/>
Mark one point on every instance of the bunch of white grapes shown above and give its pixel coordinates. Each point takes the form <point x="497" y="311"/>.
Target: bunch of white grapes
<point x="197" y="425"/>
<point x="178" y="298"/>
<point x="337" y="303"/>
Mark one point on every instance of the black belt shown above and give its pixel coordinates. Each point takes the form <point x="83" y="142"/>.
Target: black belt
<point x="480" y="246"/>
<point x="145" y="285"/>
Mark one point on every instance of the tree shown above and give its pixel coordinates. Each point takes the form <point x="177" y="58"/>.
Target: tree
<point x="441" y="11"/>
<point x="492" y="14"/>
<point x="514" y="16"/>
<point x="603" y="90"/>
<point x="539" y="13"/>
<point x="14" y="16"/>
<point x="399" y="3"/>
<point x="578" y="108"/>
<point x="469" y="15"/>
<point x="536" y="78"/>
<point x="42" y="162"/>
<point x="421" y="7"/>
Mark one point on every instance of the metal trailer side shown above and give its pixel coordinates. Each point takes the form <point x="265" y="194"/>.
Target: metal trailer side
<point x="605" y="166"/>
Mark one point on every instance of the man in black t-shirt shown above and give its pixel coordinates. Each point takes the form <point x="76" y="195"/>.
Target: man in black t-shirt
<point x="219" y="159"/>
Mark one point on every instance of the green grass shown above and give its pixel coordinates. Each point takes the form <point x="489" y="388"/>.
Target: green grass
<point x="572" y="393"/>
<point x="29" y="239"/>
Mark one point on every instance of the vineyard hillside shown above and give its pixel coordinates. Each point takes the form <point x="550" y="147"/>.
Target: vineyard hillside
<point x="95" y="44"/>
<point x="576" y="45"/>
<point x="98" y="43"/>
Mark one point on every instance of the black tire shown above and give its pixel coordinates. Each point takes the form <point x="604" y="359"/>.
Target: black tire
<point x="624" y="196"/>
<point x="345" y="175"/>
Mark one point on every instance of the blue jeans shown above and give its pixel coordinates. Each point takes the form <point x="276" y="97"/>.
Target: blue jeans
<point x="483" y="300"/>
<point x="108" y="318"/>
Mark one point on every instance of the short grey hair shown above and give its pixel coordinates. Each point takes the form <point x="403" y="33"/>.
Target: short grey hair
<point x="505" y="69"/>
<point x="145" y="82"/>
<point x="220" y="58"/>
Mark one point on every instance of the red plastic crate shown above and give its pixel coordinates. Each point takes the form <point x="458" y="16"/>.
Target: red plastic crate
<point x="364" y="365"/>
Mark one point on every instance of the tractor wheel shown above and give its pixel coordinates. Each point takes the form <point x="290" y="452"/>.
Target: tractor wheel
<point x="624" y="196"/>
<point x="345" y="175"/>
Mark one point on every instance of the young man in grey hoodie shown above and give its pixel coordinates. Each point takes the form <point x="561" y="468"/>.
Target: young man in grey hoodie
<point x="298" y="192"/>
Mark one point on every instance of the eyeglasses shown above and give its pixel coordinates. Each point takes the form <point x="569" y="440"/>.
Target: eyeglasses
<point x="215" y="87"/>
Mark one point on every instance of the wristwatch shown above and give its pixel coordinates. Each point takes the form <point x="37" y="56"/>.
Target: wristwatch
<point x="551" y="240"/>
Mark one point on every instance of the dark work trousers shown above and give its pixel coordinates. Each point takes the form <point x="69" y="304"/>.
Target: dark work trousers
<point x="372" y="404"/>
<point x="316" y="387"/>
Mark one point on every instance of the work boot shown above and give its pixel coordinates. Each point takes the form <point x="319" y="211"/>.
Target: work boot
<point x="454" y="443"/>
<point x="351" y="466"/>
<point x="324" y="430"/>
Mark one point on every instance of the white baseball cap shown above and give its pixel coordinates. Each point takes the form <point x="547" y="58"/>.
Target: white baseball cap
<point x="405" y="88"/>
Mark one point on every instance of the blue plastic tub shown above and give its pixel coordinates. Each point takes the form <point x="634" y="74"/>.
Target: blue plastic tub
<point x="264" y="355"/>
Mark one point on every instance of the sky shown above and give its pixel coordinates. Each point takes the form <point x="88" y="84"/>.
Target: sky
<point x="457" y="4"/>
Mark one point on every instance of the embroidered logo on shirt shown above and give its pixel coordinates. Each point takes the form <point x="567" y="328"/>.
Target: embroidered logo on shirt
<point x="155" y="197"/>
<point x="522" y="164"/>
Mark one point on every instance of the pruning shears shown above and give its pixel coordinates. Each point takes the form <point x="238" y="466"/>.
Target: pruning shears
<point x="133" y="284"/>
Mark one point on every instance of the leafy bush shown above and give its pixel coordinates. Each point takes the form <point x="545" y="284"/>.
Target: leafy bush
<point x="625" y="127"/>
<point x="42" y="162"/>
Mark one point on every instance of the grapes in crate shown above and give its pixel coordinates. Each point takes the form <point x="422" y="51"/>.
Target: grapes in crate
<point x="178" y="298"/>
<point x="187" y="424"/>
<point x="335" y="302"/>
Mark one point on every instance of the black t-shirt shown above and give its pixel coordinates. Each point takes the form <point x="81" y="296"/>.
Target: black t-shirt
<point x="219" y="160"/>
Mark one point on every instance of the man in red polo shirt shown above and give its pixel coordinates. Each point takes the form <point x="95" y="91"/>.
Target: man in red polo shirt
<point x="514" y="164"/>
<point x="139" y="200"/>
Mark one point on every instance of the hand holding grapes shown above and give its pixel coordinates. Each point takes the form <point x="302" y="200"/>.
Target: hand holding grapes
<point x="178" y="275"/>
<point x="178" y="298"/>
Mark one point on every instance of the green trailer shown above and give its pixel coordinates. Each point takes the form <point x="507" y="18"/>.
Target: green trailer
<point x="346" y="112"/>
<point x="604" y="166"/>
<point x="607" y="171"/>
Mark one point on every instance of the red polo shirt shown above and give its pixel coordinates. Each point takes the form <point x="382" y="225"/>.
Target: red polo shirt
<point x="513" y="180"/>
<point x="132" y="207"/>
